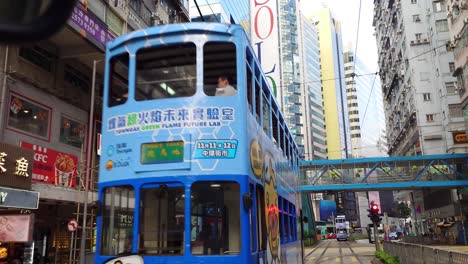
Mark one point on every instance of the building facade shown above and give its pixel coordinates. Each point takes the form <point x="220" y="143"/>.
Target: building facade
<point x="457" y="16"/>
<point x="222" y="11"/>
<point x="315" y="140"/>
<point x="365" y="109"/>
<point x="422" y="105"/>
<point x="47" y="110"/>
<point x="333" y="83"/>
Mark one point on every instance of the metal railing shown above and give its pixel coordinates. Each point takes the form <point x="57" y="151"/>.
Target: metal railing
<point x="420" y="254"/>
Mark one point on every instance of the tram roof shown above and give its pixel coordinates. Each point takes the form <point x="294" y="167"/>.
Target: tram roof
<point x="169" y="29"/>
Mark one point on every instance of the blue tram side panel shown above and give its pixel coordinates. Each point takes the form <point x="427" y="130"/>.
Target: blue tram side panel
<point x="150" y="136"/>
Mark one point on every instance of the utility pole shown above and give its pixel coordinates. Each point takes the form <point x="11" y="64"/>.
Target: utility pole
<point x="88" y="170"/>
<point x="462" y="215"/>
<point x="374" y="223"/>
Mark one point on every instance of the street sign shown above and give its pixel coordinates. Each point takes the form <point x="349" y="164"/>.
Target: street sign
<point x="72" y="225"/>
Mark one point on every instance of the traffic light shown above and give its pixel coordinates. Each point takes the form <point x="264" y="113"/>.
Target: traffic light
<point x="374" y="215"/>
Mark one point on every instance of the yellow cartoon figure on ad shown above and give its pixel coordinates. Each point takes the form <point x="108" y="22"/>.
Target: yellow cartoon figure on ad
<point x="272" y="213"/>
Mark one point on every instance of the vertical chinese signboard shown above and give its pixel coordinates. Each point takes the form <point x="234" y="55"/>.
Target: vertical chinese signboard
<point x="53" y="167"/>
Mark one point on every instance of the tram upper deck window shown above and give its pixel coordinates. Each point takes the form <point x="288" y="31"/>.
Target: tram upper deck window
<point x="166" y="72"/>
<point x="118" y="92"/>
<point x="219" y="69"/>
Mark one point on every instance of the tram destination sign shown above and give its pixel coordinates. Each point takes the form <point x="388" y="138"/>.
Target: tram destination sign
<point x="162" y="152"/>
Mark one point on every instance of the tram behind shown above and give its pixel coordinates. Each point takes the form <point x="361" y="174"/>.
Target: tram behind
<point x="189" y="175"/>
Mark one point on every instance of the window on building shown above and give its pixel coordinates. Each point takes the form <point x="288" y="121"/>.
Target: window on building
<point x="430" y="117"/>
<point x="441" y="25"/>
<point x="72" y="132"/>
<point x="418" y="35"/>
<point x="452" y="66"/>
<point x="38" y="56"/>
<point x="427" y="96"/>
<point x="455" y="110"/>
<point x="416" y="18"/>
<point x="28" y="116"/>
<point x="438" y="6"/>
<point x="450" y="87"/>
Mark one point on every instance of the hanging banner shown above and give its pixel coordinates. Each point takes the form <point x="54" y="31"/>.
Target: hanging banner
<point x="265" y="39"/>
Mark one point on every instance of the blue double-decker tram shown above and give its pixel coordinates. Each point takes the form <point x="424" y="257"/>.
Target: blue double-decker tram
<point x="198" y="165"/>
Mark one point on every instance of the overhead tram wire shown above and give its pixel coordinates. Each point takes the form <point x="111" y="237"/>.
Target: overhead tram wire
<point x="357" y="39"/>
<point x="419" y="55"/>
<point x="212" y="12"/>
<point x="368" y="99"/>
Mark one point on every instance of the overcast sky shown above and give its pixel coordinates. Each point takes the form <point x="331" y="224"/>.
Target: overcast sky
<point x="347" y="12"/>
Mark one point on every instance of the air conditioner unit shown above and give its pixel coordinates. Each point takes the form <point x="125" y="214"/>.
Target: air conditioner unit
<point x="457" y="37"/>
<point x="412" y="42"/>
<point x="417" y="20"/>
<point x="418" y="40"/>
<point x="425" y="40"/>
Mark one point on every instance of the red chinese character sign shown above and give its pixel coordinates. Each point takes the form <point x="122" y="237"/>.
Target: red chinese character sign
<point x="53" y="167"/>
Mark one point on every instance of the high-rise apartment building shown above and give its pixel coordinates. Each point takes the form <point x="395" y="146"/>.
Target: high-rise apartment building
<point x="315" y="140"/>
<point x="365" y="108"/>
<point x="457" y="16"/>
<point x="422" y="106"/>
<point x="291" y="96"/>
<point x="333" y="84"/>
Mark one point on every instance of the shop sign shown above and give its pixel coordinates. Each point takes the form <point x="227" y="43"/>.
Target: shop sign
<point x="16" y="228"/>
<point x="135" y="21"/>
<point x="90" y="26"/>
<point x="15" y="166"/>
<point x="53" y="167"/>
<point x="16" y="198"/>
<point x="459" y="137"/>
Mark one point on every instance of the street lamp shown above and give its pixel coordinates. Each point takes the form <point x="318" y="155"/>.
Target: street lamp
<point x="88" y="170"/>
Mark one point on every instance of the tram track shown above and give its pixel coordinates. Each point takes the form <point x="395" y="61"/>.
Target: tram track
<point x="323" y="252"/>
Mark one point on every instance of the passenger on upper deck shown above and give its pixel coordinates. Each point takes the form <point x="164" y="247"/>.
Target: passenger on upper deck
<point x="224" y="88"/>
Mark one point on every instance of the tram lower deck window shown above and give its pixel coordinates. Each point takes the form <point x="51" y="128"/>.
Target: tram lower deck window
<point x="215" y="218"/>
<point x="117" y="220"/>
<point x="161" y="227"/>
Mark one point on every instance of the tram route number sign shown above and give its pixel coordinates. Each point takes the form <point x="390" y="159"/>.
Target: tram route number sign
<point x="72" y="225"/>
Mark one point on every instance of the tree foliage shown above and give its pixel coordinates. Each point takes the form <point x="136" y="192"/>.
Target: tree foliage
<point x="403" y="210"/>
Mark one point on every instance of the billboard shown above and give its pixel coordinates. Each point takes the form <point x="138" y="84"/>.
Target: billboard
<point x="265" y="39"/>
<point x="327" y="209"/>
<point x="53" y="167"/>
<point x="16" y="228"/>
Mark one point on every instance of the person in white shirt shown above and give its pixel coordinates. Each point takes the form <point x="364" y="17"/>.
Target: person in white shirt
<point x="224" y="88"/>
